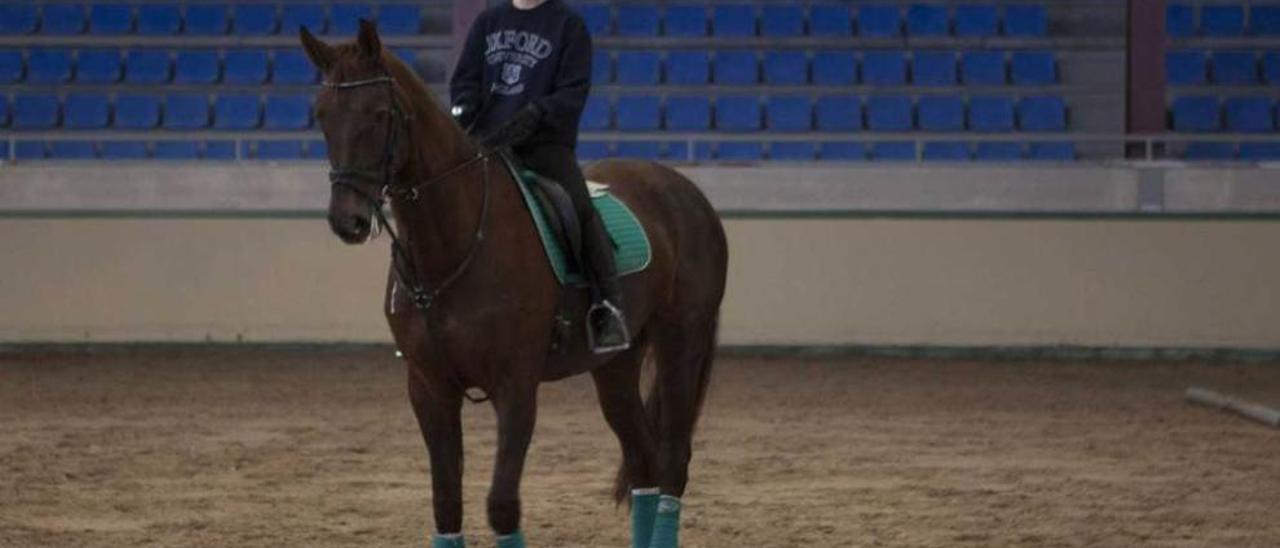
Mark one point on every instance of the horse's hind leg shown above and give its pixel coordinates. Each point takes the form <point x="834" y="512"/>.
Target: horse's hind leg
<point x="618" y="387"/>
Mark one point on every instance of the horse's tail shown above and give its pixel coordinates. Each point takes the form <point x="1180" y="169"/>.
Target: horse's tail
<point x="653" y="403"/>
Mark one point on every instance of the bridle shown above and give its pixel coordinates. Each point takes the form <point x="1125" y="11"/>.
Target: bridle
<point x="360" y="180"/>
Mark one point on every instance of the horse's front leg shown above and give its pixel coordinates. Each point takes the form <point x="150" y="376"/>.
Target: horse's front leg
<point x="517" y="407"/>
<point x="439" y="415"/>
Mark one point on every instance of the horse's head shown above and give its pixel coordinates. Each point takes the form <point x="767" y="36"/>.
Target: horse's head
<point x="365" y="117"/>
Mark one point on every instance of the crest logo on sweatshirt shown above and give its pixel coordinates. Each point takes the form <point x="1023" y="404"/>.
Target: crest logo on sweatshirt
<point x="515" y="51"/>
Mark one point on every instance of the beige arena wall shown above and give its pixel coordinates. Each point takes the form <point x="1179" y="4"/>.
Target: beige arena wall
<point x="794" y="280"/>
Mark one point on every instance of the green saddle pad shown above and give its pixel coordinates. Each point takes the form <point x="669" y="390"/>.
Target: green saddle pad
<point x="631" y="253"/>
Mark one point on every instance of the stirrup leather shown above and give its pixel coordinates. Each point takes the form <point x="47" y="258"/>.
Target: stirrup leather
<point x="615" y="315"/>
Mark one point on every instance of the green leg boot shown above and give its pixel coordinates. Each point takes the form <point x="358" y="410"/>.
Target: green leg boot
<point x="514" y="540"/>
<point x="644" y="508"/>
<point x="454" y="540"/>
<point x="666" y="525"/>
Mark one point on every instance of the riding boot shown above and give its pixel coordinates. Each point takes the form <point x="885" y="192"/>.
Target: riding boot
<point x="606" y="324"/>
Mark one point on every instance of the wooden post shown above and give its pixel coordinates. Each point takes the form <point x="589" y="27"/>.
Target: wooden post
<point x="464" y="12"/>
<point x="1145" y="102"/>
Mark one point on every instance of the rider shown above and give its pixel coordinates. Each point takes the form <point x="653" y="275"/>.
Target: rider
<point x="521" y="82"/>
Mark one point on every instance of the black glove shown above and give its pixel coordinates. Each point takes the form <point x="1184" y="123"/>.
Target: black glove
<point x="516" y="131"/>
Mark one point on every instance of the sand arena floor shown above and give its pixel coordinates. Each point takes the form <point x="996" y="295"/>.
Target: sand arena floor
<point x="244" y="447"/>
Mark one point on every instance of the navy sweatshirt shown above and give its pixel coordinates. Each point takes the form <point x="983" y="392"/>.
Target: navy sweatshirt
<point x="513" y="57"/>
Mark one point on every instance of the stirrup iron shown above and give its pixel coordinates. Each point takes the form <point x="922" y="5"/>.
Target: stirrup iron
<point x="615" y="315"/>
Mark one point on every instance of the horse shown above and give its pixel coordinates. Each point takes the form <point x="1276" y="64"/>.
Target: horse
<point x="471" y="300"/>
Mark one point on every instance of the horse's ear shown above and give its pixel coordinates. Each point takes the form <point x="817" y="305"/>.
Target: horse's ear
<point x="370" y="44"/>
<point x="321" y="54"/>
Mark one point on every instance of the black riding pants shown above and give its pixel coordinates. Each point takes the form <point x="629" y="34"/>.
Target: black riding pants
<point x="560" y="163"/>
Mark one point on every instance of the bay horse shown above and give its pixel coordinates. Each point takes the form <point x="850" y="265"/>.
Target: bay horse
<point x="472" y="300"/>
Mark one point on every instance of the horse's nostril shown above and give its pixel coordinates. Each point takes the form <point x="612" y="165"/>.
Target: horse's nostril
<point x="359" y="225"/>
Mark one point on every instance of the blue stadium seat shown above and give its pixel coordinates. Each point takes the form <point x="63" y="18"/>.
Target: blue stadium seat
<point x="688" y="67"/>
<point x="237" y="111"/>
<point x="287" y="112"/>
<point x="928" y="20"/>
<point x="98" y="66"/>
<point x="838" y="113"/>
<point x="990" y="114"/>
<point x="28" y="150"/>
<point x="224" y="150"/>
<point x="835" y="68"/>
<point x="254" y="19"/>
<point x="830" y="20"/>
<point x="1028" y="20"/>
<point x="63" y="19"/>
<point x="884" y="68"/>
<point x="977" y="21"/>
<point x="688" y="113"/>
<point x="4" y="114"/>
<point x="788" y="113"/>
<point x="592" y="150"/>
<point x="1033" y="68"/>
<point x="206" y="19"/>
<point x="733" y="20"/>
<point x="842" y="151"/>
<point x="177" y="150"/>
<point x="739" y="151"/>
<point x="893" y="151"/>
<point x="998" y="151"/>
<point x="786" y="67"/>
<point x="399" y="19"/>
<point x="196" y="67"/>
<point x="345" y="19"/>
<point x="679" y="151"/>
<point x="793" y="151"/>
<point x="1210" y="151"/>
<point x="135" y="111"/>
<point x="685" y="20"/>
<point x="737" y="68"/>
<point x="48" y="66"/>
<point x="782" y="20"/>
<point x="879" y="21"/>
<point x="982" y="68"/>
<point x="159" y="20"/>
<point x="1058" y="152"/>
<point x="1042" y="113"/>
<point x="124" y="150"/>
<point x="279" y="150"/>
<point x="72" y="150"/>
<point x="596" y="114"/>
<point x="12" y="69"/>
<point x="146" y="67"/>
<point x="1260" y="151"/>
<point x="946" y="151"/>
<point x="18" y="18"/>
<point x="941" y="113"/>
<point x="1180" y="21"/>
<point x="186" y="111"/>
<point x="638" y="20"/>
<point x="111" y="19"/>
<point x="889" y="113"/>
<point x="639" y="68"/>
<point x="639" y="112"/>
<point x="933" y="68"/>
<point x="35" y="111"/>
<point x="317" y="149"/>
<point x="601" y="67"/>
<point x="1222" y="20"/>
<point x="737" y="113"/>
<point x="1271" y="67"/>
<point x="644" y="150"/>
<point x="1264" y="20"/>
<point x="1249" y="114"/>
<point x="245" y="67"/>
<point x="85" y="111"/>
<point x="295" y="16"/>
<point x="1186" y="67"/>
<point x="1196" y="113"/>
<point x="293" y="67"/>
<point x="597" y="17"/>
<point x="1234" y="67"/>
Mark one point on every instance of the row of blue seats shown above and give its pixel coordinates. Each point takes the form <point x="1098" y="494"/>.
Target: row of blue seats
<point x="1222" y="20"/>
<point x="827" y="67"/>
<point x="780" y="20"/>
<point x="1198" y="67"/>
<point x="797" y="113"/>
<point x="835" y="151"/>
<point x="1241" y="114"/>
<point x="204" y="18"/>
<point x="164" y="150"/>
<point x="185" y="111"/>
<point x="151" y="66"/>
<point x="1232" y="151"/>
